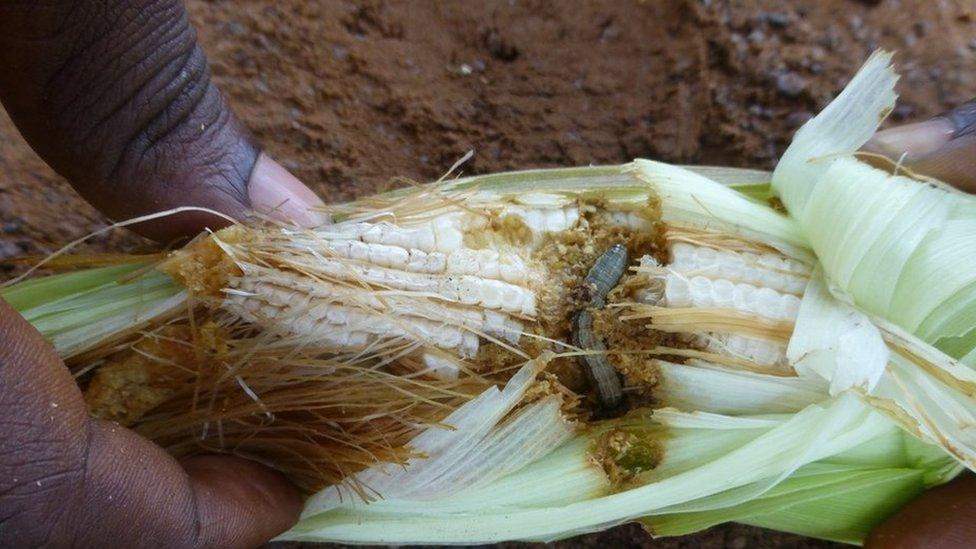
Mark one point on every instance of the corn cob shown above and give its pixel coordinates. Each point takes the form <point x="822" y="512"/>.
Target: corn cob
<point x="516" y="309"/>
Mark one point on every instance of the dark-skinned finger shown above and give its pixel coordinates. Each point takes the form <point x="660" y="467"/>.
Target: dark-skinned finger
<point x="208" y="501"/>
<point x="249" y="513"/>
<point x="941" y="518"/>
<point x="69" y="480"/>
<point x="943" y="147"/>
<point x="117" y="96"/>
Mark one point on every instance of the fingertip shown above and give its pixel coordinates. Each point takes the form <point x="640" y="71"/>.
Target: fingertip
<point x="943" y="147"/>
<point x="275" y="192"/>
<point x="240" y="503"/>
<point x="954" y="163"/>
<point x="912" y="140"/>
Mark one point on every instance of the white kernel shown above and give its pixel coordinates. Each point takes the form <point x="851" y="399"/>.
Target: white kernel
<point x="743" y="296"/>
<point x="418" y="261"/>
<point x="486" y="256"/>
<point x="648" y="262"/>
<point x="469" y="345"/>
<point x="267" y="311"/>
<point x="511" y="298"/>
<point x="677" y="292"/>
<point x="790" y="306"/>
<point x="357" y="339"/>
<point x="511" y="273"/>
<point x="336" y="315"/>
<point x="500" y="325"/>
<point x="682" y="252"/>
<point x="463" y="262"/>
<point x="468" y="291"/>
<point x="490" y="269"/>
<point x="473" y="222"/>
<point x="436" y="263"/>
<point x="320" y="310"/>
<point x="795" y="285"/>
<point x="380" y="254"/>
<point x="722" y="293"/>
<point x="555" y="220"/>
<point x="572" y="217"/>
<point x="441" y="367"/>
<point x="701" y="291"/>
<point x="373" y="233"/>
<point x="341" y="247"/>
<point x="423" y="239"/>
<point x="769" y="279"/>
<point x="359" y="250"/>
<point x="304" y="324"/>
<point x="447" y="337"/>
<point x="491" y="293"/>
<point x="448" y="239"/>
<point x="534" y="219"/>
<point x="706" y="255"/>
<point x="767" y="303"/>
<point x="730" y="266"/>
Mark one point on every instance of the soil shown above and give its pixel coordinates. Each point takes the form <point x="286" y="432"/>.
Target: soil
<point x="349" y="95"/>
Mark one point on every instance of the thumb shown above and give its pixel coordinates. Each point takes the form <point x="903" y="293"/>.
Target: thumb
<point x="117" y="97"/>
<point x="943" y="147"/>
<point x="136" y="494"/>
<point x="239" y="502"/>
<point x="67" y="479"/>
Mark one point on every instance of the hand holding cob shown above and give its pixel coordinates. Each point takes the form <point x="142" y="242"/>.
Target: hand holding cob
<point x="133" y="121"/>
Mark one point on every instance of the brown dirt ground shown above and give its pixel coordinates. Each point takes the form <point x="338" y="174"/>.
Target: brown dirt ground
<point x="350" y="94"/>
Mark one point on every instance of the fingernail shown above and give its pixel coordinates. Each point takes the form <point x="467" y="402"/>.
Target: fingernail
<point x="275" y="192"/>
<point x="915" y="140"/>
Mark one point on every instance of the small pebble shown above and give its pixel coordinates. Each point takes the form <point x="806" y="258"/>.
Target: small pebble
<point x="235" y="29"/>
<point x="760" y="111"/>
<point x="790" y="84"/>
<point x="778" y="20"/>
<point x="9" y="250"/>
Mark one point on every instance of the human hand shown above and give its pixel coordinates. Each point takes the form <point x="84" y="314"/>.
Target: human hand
<point x="116" y="96"/>
<point x="67" y="479"/>
<point x="944" y="147"/>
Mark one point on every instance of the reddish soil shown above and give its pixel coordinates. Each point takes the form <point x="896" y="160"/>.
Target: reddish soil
<point x="349" y="95"/>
